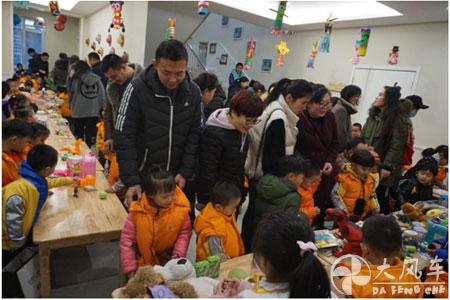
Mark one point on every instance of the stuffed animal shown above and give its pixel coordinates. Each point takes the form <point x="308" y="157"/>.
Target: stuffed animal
<point x="414" y="213"/>
<point x="349" y="231"/>
<point x="145" y="277"/>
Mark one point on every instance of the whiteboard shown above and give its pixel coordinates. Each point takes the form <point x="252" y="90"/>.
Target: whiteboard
<point x="372" y="79"/>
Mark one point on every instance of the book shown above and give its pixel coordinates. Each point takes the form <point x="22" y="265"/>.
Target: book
<point x="325" y="239"/>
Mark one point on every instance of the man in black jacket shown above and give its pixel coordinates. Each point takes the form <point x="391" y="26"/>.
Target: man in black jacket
<point x="159" y="121"/>
<point x="96" y="66"/>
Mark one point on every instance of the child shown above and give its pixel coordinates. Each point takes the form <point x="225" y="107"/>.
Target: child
<point x="40" y="134"/>
<point x="24" y="198"/>
<point x="418" y="182"/>
<point x="15" y="136"/>
<point x="352" y="146"/>
<point x="280" y="193"/>
<point x="158" y="226"/>
<point x="100" y="138"/>
<point x="20" y="71"/>
<point x="442" y="151"/>
<point x="382" y="245"/>
<point x="306" y="190"/>
<point x="356" y="130"/>
<point x="284" y="252"/>
<point x="216" y="228"/>
<point x="27" y="114"/>
<point x="354" y="191"/>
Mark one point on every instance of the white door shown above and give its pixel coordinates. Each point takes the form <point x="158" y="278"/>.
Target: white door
<point x="372" y="79"/>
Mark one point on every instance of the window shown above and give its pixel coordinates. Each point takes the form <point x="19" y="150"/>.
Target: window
<point x="27" y="34"/>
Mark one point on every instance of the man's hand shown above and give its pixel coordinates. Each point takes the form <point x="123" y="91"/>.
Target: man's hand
<point x="180" y="181"/>
<point x="108" y="147"/>
<point x="327" y="168"/>
<point x="132" y="191"/>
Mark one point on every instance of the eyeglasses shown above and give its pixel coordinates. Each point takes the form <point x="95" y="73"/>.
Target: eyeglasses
<point x="324" y="104"/>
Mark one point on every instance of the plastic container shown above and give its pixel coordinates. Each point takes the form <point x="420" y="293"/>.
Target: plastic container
<point x="88" y="165"/>
<point x="74" y="164"/>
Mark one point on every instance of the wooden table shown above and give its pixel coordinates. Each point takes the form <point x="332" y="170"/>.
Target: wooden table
<point x="66" y="221"/>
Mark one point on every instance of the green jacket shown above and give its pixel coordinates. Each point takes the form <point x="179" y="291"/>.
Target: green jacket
<point x="393" y="158"/>
<point x="275" y="194"/>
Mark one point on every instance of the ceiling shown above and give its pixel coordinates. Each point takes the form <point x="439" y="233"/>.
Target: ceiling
<point x="81" y="9"/>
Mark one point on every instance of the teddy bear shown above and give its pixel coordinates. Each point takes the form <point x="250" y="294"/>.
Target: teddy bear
<point x="413" y="212"/>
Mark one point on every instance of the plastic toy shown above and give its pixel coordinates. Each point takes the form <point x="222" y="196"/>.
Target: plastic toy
<point x="98" y="38"/>
<point x="109" y="39"/>
<point x="74" y="166"/>
<point x="209" y="267"/>
<point x="170" y="32"/>
<point x="88" y="165"/>
<point x="103" y="195"/>
<point x="312" y="56"/>
<point x="121" y="40"/>
<point x="203" y="7"/>
<point x="75" y="150"/>
<point x="250" y="52"/>
<point x="89" y="180"/>
<point x="365" y="34"/>
<point x="282" y="50"/>
<point x="324" y="45"/>
<point x="237" y="273"/>
<point x="87" y="41"/>
<point x="278" y="22"/>
<point x="349" y="231"/>
<point x="393" y="56"/>
<point x="117" y="21"/>
<point x="53" y="7"/>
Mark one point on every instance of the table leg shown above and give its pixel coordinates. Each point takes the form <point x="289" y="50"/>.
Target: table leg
<point x="44" y="269"/>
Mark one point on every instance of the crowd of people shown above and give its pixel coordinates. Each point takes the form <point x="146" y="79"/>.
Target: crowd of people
<point x="176" y="145"/>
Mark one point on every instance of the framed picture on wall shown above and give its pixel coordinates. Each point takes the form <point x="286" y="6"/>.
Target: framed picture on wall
<point x="266" y="65"/>
<point x="212" y="48"/>
<point x="237" y="35"/>
<point x="223" y="59"/>
<point x="225" y="21"/>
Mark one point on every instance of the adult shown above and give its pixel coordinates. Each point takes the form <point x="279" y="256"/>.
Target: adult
<point x="207" y="82"/>
<point x="410" y="106"/>
<point x="86" y="97"/>
<point x="343" y="109"/>
<point x="33" y="62"/>
<point x="159" y="120"/>
<point x="120" y="75"/>
<point x="224" y="144"/>
<point x="60" y="70"/>
<point x="43" y="65"/>
<point x="272" y="138"/>
<point x="234" y="76"/>
<point x="96" y="66"/>
<point x="318" y="141"/>
<point x="386" y="129"/>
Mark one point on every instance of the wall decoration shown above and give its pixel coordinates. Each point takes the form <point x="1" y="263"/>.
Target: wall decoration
<point x="324" y="45"/>
<point x="60" y="21"/>
<point x="94" y="46"/>
<point x="355" y="59"/>
<point x="251" y="45"/>
<point x="112" y="50"/>
<point x="40" y="21"/>
<point x="170" y="31"/>
<point x="100" y="51"/>
<point x="266" y="65"/>
<point x="225" y="21"/>
<point x="16" y="20"/>
<point x="312" y="56"/>
<point x="87" y="41"/>
<point x="365" y="34"/>
<point x="53" y="7"/>
<point x="98" y="38"/>
<point x="117" y="22"/>
<point x="212" y="48"/>
<point x="121" y="40"/>
<point x="223" y="59"/>
<point x="237" y="35"/>
<point x="59" y="26"/>
<point x="125" y="57"/>
<point x="109" y="40"/>
<point x="278" y="22"/>
<point x="282" y="50"/>
<point x="393" y="56"/>
<point x="203" y="7"/>
<point x="21" y="4"/>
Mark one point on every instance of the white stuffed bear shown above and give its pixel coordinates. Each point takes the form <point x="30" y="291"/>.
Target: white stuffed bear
<point x="182" y="269"/>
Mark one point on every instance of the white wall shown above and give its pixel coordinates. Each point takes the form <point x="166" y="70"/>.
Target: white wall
<point x="7" y="39"/>
<point x="135" y="19"/>
<point x="424" y="45"/>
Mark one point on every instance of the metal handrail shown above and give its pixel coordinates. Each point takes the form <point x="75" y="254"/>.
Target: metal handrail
<point x="196" y="56"/>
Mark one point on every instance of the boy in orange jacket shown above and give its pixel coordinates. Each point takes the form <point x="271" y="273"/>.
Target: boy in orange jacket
<point x="306" y="190"/>
<point x="216" y="228"/>
<point x="16" y="134"/>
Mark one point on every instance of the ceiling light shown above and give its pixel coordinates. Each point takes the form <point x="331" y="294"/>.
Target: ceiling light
<point x="311" y="12"/>
<point x="63" y="4"/>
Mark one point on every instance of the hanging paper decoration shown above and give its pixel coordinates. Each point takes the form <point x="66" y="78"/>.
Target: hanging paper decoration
<point x="100" y="51"/>
<point x="121" y="40"/>
<point x="98" y="38"/>
<point x="278" y="23"/>
<point x="170" y="32"/>
<point x="59" y="26"/>
<point x="125" y="57"/>
<point x="203" y="7"/>
<point x="16" y="20"/>
<point x="39" y="21"/>
<point x="109" y="39"/>
<point x="93" y="46"/>
<point x="393" y="56"/>
<point x="282" y="50"/>
<point x="61" y="19"/>
<point x="112" y="50"/>
<point x="117" y="22"/>
<point x="324" y="45"/>
<point x="21" y="4"/>
<point x="250" y="52"/>
<point x="365" y="34"/>
<point x="87" y="41"/>
<point x="355" y="59"/>
<point x="53" y="7"/>
<point x="312" y="56"/>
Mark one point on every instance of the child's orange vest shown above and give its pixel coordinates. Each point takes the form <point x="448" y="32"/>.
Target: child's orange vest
<point x="65" y="107"/>
<point x="440" y="176"/>
<point x="10" y="168"/>
<point x="307" y="200"/>
<point x="100" y="140"/>
<point x="157" y="228"/>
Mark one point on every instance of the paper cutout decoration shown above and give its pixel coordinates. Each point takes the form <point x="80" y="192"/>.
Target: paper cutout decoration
<point x="87" y="41"/>
<point x="393" y="56"/>
<point x="121" y="40"/>
<point x="59" y="26"/>
<point x="53" y="7"/>
<point x="39" y="21"/>
<point x="93" y="46"/>
<point x="21" y="4"/>
<point x="112" y="50"/>
<point x="16" y="20"/>
<point x="324" y="45"/>
<point x="61" y="19"/>
<point x="100" y="51"/>
<point x="355" y="59"/>
<point x="312" y="56"/>
<point x="203" y="7"/>
<point x="250" y="52"/>
<point x="109" y="40"/>
<point x="98" y="38"/>
<point x="117" y="21"/>
<point x="282" y="50"/>
<point x="170" y="32"/>
<point x="278" y="22"/>
<point x="365" y="34"/>
<point x="125" y="57"/>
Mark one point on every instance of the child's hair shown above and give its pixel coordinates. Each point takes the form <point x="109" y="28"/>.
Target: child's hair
<point x="297" y="165"/>
<point x="243" y="79"/>
<point x="427" y="152"/>
<point x="427" y="164"/>
<point x="276" y="241"/>
<point x="34" y="107"/>
<point x="298" y="88"/>
<point x="41" y="157"/>
<point x="16" y="127"/>
<point x="353" y="143"/>
<point x="18" y="101"/>
<point x="28" y="84"/>
<point x="223" y="192"/>
<point x="358" y="125"/>
<point x="363" y="158"/>
<point x="23" y="113"/>
<point x="349" y="91"/>
<point x="382" y="234"/>
<point x="442" y="150"/>
<point x="206" y="81"/>
<point x="159" y="182"/>
<point x="239" y="64"/>
<point x="39" y="130"/>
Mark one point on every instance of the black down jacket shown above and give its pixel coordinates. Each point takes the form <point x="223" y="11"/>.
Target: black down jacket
<point x="157" y="127"/>
<point x="222" y="155"/>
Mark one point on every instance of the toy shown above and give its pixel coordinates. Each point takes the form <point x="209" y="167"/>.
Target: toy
<point x="117" y="21"/>
<point x="39" y="21"/>
<point x="59" y="26"/>
<point x="355" y="59"/>
<point x="203" y="7"/>
<point x="112" y="50"/>
<point x="16" y="20"/>
<point x="365" y="34"/>
<point x="53" y="7"/>
<point x="145" y="277"/>
<point x="278" y="22"/>
<point x="65" y="156"/>
<point x="75" y="150"/>
<point x="250" y="52"/>
<point x="100" y="51"/>
<point x="393" y="56"/>
<point x="98" y="38"/>
<point x="282" y="50"/>
<point x="411" y="249"/>
<point x="87" y="41"/>
<point x="74" y="166"/>
<point x="61" y="19"/>
<point x="237" y="273"/>
<point x="312" y="56"/>
<point x="348" y="230"/>
<point x="170" y="32"/>
<point x="93" y="46"/>
<point x="209" y="267"/>
<point x="75" y="191"/>
<point x="89" y="180"/>
<point x="121" y="40"/>
<point x="412" y="212"/>
<point x="124" y="57"/>
<point x="109" y="39"/>
<point x="103" y="195"/>
<point x="324" y="45"/>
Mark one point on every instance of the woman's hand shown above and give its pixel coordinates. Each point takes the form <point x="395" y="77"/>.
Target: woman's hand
<point x="384" y="173"/>
<point x="327" y="168"/>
